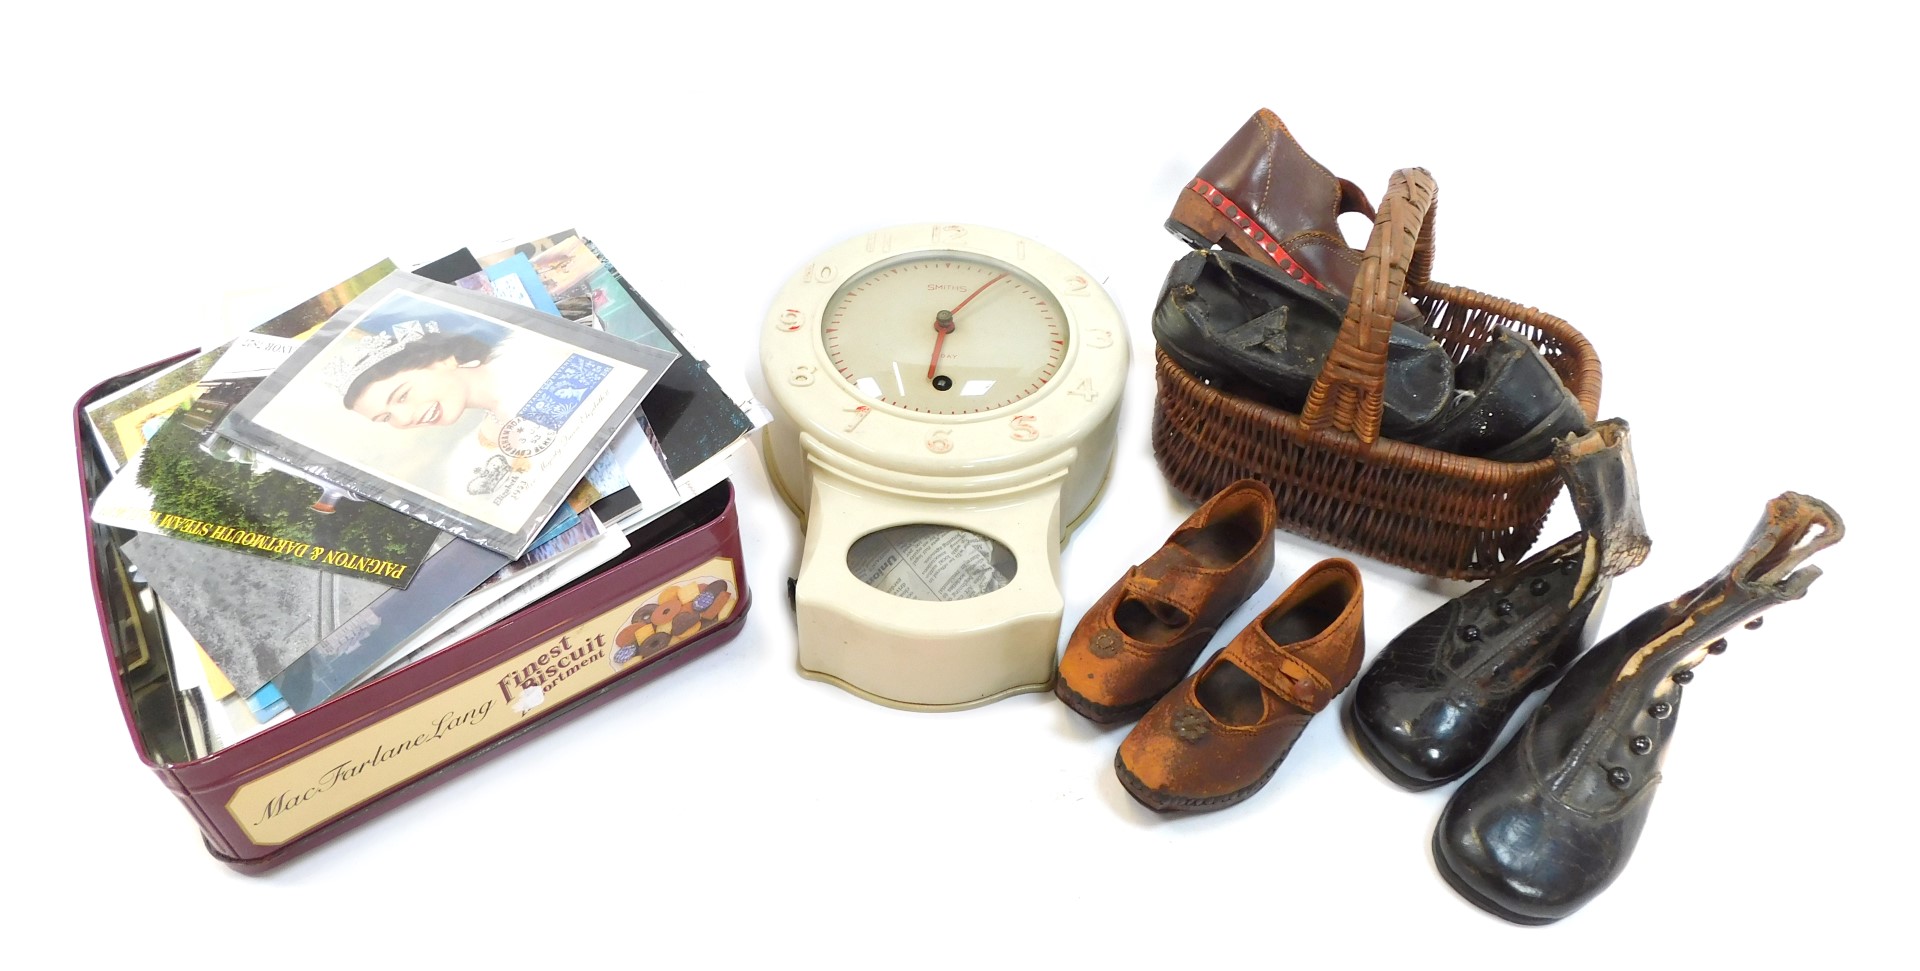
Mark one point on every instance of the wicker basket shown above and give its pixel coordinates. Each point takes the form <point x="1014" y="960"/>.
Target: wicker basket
<point x="1335" y="479"/>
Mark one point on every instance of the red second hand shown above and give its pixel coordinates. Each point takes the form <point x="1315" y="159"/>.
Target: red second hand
<point x="982" y="289"/>
<point x="943" y="324"/>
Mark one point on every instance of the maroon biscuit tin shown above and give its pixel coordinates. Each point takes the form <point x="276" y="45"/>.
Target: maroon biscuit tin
<point x="304" y="780"/>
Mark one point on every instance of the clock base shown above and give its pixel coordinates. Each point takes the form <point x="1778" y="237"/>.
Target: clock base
<point x="822" y="676"/>
<point x="929" y="655"/>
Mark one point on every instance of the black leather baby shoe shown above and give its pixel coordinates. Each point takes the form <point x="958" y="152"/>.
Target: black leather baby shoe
<point x="1508" y="405"/>
<point x="1436" y="698"/>
<point x="1243" y="325"/>
<point x="1552" y="819"/>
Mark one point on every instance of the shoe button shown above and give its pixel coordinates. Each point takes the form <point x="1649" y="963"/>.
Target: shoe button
<point x="1718" y="647"/>
<point x="1619" y="777"/>
<point x="1469" y="633"/>
<point x="1660" y="709"/>
<point x="1539" y="588"/>
<point x="1683" y="677"/>
<point x="1189" y="725"/>
<point x="1642" y="745"/>
<point x="1503" y="608"/>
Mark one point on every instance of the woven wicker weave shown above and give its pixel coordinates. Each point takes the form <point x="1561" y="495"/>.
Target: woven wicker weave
<point x="1334" y="478"/>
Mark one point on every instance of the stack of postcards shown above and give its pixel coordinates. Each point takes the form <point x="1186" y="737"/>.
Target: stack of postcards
<point x="397" y="463"/>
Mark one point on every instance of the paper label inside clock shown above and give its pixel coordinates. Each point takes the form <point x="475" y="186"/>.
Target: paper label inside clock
<point x="926" y="562"/>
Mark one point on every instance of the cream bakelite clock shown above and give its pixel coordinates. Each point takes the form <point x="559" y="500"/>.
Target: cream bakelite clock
<point x="948" y="397"/>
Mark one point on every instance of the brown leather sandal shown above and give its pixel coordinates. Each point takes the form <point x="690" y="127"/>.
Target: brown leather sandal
<point x="1219" y="736"/>
<point x="1141" y="637"/>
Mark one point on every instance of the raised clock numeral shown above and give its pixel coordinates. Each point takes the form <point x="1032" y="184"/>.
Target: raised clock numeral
<point x="1020" y="250"/>
<point x="949" y="234"/>
<point x="940" y="442"/>
<point x="1100" y="338"/>
<point x="879" y="242"/>
<point x="791" y="320"/>
<point x="1085" y="390"/>
<point x="802" y="375"/>
<point x="1023" y="428"/>
<point x="817" y="273"/>
<point x="1077" y="286"/>
<point x="859" y="415"/>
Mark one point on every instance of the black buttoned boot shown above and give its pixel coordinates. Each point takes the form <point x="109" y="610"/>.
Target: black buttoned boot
<point x="1436" y="698"/>
<point x="1553" y="818"/>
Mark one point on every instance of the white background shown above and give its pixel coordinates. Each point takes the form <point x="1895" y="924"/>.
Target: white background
<point x="1715" y="200"/>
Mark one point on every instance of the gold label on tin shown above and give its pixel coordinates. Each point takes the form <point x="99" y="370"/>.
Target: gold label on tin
<point x="309" y="791"/>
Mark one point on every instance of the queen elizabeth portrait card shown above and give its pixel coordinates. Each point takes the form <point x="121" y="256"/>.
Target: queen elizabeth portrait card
<point x="468" y="412"/>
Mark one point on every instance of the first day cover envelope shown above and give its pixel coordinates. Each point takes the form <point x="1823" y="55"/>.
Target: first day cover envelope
<point x="468" y="412"/>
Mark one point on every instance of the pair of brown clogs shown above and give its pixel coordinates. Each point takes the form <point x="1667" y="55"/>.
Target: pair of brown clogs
<point x="1213" y="738"/>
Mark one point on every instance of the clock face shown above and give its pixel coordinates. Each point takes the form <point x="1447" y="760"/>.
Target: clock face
<point x="944" y="334"/>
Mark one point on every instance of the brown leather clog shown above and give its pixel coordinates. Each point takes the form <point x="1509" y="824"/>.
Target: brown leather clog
<point x="1141" y="637"/>
<point x="1218" y="737"/>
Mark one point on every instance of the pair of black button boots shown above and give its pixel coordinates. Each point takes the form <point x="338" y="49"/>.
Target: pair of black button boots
<point x="1248" y="327"/>
<point x="1551" y="820"/>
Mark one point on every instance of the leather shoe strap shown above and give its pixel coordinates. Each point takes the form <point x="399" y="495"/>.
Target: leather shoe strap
<point x="1171" y="601"/>
<point x="1283" y="674"/>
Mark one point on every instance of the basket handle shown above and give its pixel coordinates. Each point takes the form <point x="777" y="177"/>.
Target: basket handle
<point x="1346" y="396"/>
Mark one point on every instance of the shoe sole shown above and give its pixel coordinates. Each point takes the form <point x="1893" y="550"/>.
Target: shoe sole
<point x="1211" y="374"/>
<point x="1096" y="712"/>
<point x="1475" y="897"/>
<point x="1225" y="381"/>
<point x="1163" y="803"/>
